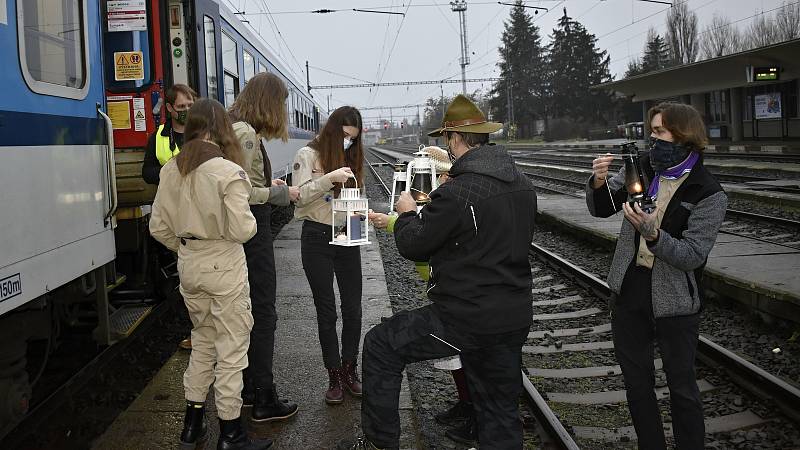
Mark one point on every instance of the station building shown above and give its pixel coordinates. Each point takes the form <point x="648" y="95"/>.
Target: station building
<point x="746" y="96"/>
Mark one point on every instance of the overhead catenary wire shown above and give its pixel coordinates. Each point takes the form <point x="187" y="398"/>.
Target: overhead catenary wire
<point x="723" y="26"/>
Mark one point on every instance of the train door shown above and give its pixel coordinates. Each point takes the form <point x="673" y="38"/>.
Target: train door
<point x="207" y="51"/>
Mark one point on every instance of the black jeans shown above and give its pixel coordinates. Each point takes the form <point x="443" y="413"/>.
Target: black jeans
<point x="635" y="329"/>
<point x="261" y="275"/>
<point x="321" y="261"/>
<point x="491" y="363"/>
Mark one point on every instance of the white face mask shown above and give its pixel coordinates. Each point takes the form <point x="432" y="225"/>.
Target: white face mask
<point x="347" y="143"/>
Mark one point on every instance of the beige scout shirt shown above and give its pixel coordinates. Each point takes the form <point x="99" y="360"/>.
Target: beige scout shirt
<point x="666" y="189"/>
<point x="210" y="203"/>
<point x="315" y="185"/>
<point x="253" y="162"/>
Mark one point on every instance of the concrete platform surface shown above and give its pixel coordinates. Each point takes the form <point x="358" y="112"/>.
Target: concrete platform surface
<point x="758" y="273"/>
<point x="155" y="419"/>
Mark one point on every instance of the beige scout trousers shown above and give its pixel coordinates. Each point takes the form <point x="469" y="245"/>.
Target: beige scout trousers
<point x="214" y="286"/>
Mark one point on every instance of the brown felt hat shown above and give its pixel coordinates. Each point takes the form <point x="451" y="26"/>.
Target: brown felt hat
<point x="463" y="116"/>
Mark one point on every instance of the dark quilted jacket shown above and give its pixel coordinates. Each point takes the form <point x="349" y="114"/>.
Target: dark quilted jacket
<point x="476" y="232"/>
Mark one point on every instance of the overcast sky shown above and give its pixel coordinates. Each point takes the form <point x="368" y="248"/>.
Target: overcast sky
<point x="425" y="44"/>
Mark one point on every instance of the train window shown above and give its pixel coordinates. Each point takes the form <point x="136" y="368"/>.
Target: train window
<point x="230" y="63"/>
<point x="52" y="43"/>
<point x="249" y="66"/>
<point x="229" y="60"/>
<point x="262" y="68"/>
<point x="211" y="55"/>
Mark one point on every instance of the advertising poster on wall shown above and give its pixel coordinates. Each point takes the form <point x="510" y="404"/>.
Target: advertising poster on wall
<point x="768" y="106"/>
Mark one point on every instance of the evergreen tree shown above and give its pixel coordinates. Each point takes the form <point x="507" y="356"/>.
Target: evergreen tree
<point x="576" y="64"/>
<point x="522" y="66"/>
<point x="656" y="52"/>
<point x="634" y="68"/>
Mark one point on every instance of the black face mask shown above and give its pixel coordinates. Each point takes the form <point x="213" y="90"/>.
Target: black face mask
<point x="664" y="154"/>
<point x="180" y="116"/>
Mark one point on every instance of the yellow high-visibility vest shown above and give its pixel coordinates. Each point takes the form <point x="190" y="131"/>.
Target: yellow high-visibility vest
<point x="163" y="153"/>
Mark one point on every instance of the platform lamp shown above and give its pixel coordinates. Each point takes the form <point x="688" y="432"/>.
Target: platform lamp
<point x="635" y="183"/>
<point x="418" y="178"/>
<point x="354" y="208"/>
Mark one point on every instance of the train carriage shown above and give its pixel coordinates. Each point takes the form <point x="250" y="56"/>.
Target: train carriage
<point x="83" y="88"/>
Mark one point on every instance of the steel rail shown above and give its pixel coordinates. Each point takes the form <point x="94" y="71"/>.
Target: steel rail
<point x="751" y="377"/>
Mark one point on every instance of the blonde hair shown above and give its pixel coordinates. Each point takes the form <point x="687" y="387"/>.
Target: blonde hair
<point x="262" y="104"/>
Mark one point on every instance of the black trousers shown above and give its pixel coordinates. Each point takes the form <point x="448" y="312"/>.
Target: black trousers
<point x="261" y="275"/>
<point x="491" y="363"/>
<point x="635" y="329"/>
<point x="321" y="261"/>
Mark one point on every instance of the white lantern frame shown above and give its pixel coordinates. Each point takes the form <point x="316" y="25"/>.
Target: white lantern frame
<point x="422" y="164"/>
<point x="356" y="210"/>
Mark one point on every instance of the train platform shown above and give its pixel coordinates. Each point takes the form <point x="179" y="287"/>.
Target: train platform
<point x="155" y="418"/>
<point x="760" y="274"/>
<point x="747" y="147"/>
<point x="781" y="169"/>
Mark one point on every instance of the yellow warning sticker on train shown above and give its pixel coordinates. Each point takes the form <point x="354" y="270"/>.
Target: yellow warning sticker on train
<point x="120" y="114"/>
<point x="128" y="66"/>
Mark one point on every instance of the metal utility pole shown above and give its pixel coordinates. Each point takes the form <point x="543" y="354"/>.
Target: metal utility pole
<point x="419" y="126"/>
<point x="460" y="6"/>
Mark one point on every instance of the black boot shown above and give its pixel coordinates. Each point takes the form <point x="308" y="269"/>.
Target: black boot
<point x="466" y="434"/>
<point x="233" y="437"/>
<point x="194" y="425"/>
<point x="248" y="390"/>
<point x="268" y="407"/>
<point x="457" y="415"/>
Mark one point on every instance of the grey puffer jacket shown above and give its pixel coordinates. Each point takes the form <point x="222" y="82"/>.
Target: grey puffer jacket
<point x="687" y="234"/>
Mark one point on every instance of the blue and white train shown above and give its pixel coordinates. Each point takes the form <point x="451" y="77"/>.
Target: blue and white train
<point x="82" y="87"/>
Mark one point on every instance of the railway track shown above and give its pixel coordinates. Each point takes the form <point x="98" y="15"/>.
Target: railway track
<point x="571" y="320"/>
<point x="762" y="227"/>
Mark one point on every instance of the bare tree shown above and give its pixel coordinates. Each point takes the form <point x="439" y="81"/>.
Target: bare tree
<point x="787" y="22"/>
<point x="720" y="38"/>
<point x="682" y="33"/>
<point x="761" y="32"/>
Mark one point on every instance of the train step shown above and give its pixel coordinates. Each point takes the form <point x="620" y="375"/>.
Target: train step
<point x="124" y="320"/>
<point x="118" y="282"/>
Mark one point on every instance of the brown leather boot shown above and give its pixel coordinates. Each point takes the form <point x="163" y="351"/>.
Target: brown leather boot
<point x="334" y="395"/>
<point x="350" y="378"/>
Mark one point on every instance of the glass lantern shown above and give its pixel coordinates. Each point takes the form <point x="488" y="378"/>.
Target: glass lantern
<point x="635" y="183"/>
<point x="352" y="209"/>
<point x="418" y="178"/>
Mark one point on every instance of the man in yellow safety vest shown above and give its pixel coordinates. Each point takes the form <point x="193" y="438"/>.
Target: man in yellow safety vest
<point x="166" y="141"/>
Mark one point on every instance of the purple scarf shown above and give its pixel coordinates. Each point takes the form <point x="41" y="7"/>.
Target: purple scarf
<point x="673" y="173"/>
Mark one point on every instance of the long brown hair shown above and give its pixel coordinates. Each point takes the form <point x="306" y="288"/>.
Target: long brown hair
<point x="262" y="104"/>
<point x="328" y="145"/>
<point x="683" y="121"/>
<point x="208" y="117"/>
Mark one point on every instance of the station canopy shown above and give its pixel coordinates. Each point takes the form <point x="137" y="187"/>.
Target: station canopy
<point x="724" y="72"/>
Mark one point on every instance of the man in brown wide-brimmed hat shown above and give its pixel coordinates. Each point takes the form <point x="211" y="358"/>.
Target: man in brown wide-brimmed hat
<point x="475" y="232"/>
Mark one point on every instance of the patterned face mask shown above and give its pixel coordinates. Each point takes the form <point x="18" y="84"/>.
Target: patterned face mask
<point x="347" y="143"/>
<point x="180" y="116"/>
<point x="664" y="154"/>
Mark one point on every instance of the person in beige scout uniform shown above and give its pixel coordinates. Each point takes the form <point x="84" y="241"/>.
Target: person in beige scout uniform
<point x="201" y="212"/>
<point x="321" y="169"/>
<point x="260" y="112"/>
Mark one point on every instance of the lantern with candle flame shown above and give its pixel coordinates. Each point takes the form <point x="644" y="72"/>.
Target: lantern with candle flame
<point x="635" y="183"/>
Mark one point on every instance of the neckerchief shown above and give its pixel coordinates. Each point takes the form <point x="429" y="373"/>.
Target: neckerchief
<point x="673" y="173"/>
